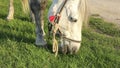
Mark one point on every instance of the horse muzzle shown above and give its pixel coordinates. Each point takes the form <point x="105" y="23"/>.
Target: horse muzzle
<point x="70" y="46"/>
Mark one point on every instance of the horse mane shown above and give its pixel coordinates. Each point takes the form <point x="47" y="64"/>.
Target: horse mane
<point x="83" y="8"/>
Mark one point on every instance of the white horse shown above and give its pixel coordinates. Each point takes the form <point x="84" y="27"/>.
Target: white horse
<point x="70" y="22"/>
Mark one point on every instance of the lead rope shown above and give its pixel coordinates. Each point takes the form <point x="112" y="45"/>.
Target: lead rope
<point x="55" y="27"/>
<point x="55" y="42"/>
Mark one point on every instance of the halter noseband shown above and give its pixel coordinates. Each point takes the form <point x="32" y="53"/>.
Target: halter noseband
<point x="69" y="39"/>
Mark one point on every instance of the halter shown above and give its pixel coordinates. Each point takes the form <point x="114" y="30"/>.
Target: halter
<point x="72" y="40"/>
<point x="56" y="28"/>
<point x="59" y="12"/>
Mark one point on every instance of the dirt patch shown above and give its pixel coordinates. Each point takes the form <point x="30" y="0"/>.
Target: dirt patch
<point x="109" y="10"/>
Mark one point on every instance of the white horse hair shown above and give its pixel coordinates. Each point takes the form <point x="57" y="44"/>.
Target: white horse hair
<point x="71" y="19"/>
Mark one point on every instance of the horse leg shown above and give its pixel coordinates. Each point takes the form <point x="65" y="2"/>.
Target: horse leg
<point x="32" y="18"/>
<point x="42" y="7"/>
<point x="42" y="21"/>
<point x="11" y="11"/>
<point x="35" y="8"/>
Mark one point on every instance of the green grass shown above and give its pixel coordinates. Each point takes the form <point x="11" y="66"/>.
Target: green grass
<point x="100" y="45"/>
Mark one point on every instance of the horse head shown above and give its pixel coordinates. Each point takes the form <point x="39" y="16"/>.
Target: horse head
<point x="70" y="23"/>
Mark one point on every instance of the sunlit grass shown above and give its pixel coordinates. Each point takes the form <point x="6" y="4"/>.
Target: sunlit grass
<point x="100" y="44"/>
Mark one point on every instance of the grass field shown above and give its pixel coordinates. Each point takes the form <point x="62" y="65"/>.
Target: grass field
<point x="100" y="45"/>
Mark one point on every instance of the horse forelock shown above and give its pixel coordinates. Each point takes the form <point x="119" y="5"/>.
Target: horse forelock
<point x="83" y="8"/>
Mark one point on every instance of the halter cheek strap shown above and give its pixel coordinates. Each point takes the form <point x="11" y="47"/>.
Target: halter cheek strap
<point x="55" y="20"/>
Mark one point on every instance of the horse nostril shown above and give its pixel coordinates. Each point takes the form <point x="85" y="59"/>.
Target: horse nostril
<point x="74" y="50"/>
<point x="65" y="49"/>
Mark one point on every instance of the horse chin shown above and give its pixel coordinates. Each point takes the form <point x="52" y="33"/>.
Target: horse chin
<point x="71" y="48"/>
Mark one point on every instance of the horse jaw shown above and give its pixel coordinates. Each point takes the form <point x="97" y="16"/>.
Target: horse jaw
<point x="69" y="46"/>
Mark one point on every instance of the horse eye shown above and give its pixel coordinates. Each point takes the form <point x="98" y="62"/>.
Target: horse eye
<point x="71" y="18"/>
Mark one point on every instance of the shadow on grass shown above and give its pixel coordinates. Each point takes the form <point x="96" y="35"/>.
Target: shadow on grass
<point x="6" y="32"/>
<point x="23" y="18"/>
<point x="6" y="35"/>
<point x="3" y="16"/>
